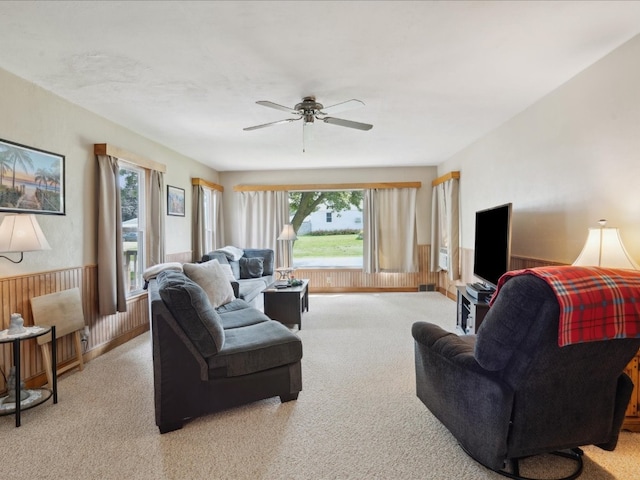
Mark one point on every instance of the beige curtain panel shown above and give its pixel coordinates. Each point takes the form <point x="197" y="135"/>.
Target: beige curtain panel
<point x="445" y="226"/>
<point x="198" y="235"/>
<point x="264" y="213"/>
<point x="390" y="230"/>
<point x="156" y="218"/>
<point x="111" y="281"/>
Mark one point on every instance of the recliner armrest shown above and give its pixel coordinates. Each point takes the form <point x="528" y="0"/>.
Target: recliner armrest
<point x="460" y="349"/>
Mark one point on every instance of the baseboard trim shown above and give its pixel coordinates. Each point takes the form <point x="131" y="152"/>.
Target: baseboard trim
<point x="41" y="379"/>
<point x="361" y="289"/>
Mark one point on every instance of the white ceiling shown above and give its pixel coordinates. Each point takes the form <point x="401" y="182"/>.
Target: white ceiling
<point x="435" y="76"/>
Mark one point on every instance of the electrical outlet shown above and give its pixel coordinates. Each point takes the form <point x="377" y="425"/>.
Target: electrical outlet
<point x="84" y="336"/>
<point x="328" y="280"/>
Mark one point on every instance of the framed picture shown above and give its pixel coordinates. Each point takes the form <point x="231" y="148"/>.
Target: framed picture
<point x="175" y="201"/>
<point x="31" y="180"/>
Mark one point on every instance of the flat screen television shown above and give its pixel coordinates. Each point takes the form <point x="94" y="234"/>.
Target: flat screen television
<point x="492" y="246"/>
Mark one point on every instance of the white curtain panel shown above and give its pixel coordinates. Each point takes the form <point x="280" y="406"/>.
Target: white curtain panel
<point x="217" y="220"/>
<point x="396" y="218"/>
<point x="264" y="214"/>
<point x="111" y="281"/>
<point x="390" y="243"/>
<point x="445" y="226"/>
<point x="156" y="217"/>
<point x="438" y="215"/>
<point x="370" y="262"/>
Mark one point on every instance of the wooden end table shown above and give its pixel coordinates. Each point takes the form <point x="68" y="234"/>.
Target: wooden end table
<point x="287" y="304"/>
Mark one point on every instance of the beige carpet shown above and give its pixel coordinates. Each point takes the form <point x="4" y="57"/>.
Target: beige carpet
<point x="356" y="418"/>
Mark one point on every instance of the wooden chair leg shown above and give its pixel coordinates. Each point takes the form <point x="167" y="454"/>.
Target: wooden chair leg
<point x="46" y="358"/>
<point x="78" y="343"/>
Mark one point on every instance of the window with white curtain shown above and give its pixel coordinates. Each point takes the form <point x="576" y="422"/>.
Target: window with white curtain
<point x="133" y="207"/>
<point x="211" y="206"/>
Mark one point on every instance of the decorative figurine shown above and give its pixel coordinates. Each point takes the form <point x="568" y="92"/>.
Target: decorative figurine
<point x="17" y="324"/>
<point x="11" y="388"/>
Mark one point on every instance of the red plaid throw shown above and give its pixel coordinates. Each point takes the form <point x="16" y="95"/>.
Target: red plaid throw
<point x="595" y="303"/>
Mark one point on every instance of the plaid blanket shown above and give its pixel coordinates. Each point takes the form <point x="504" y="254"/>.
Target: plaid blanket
<point x="595" y="303"/>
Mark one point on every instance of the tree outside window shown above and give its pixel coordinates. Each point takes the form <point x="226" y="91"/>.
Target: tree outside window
<point x="329" y="228"/>
<point x="133" y="221"/>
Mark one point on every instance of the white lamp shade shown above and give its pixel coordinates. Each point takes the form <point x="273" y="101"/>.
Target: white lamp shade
<point x="604" y="248"/>
<point x="21" y="233"/>
<point x="288" y="233"/>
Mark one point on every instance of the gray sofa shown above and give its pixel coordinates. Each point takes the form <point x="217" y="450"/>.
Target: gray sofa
<point x="207" y="359"/>
<point x="251" y="276"/>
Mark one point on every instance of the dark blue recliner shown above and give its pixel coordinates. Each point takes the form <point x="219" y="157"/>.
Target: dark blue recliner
<point x="511" y="392"/>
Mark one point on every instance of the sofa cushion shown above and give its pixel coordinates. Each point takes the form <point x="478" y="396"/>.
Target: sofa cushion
<point x="235" y="268"/>
<point x="255" y="348"/>
<point x="267" y="254"/>
<point x="250" y="288"/>
<point x="251" y="267"/>
<point x="190" y="306"/>
<point x="240" y="314"/>
<point x="213" y="280"/>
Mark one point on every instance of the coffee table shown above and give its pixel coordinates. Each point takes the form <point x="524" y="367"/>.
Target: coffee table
<point x="287" y="304"/>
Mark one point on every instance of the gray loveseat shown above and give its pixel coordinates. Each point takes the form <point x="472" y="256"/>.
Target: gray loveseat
<point x="207" y="359"/>
<point x="253" y="272"/>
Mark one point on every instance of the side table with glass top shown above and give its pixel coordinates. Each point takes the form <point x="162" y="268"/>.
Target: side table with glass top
<point x="37" y="396"/>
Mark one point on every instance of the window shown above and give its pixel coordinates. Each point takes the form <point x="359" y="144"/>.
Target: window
<point x="329" y="228"/>
<point x="132" y="204"/>
<point x="211" y="207"/>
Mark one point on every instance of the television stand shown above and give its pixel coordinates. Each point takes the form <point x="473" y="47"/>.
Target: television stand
<point x="470" y="311"/>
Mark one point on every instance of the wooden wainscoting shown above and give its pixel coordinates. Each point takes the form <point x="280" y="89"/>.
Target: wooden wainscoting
<point x="105" y="332"/>
<point x="448" y="288"/>
<point x="328" y="280"/>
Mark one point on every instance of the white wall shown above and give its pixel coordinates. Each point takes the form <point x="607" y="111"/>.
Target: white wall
<point x="565" y="162"/>
<point x="32" y="116"/>
<point x="350" y="175"/>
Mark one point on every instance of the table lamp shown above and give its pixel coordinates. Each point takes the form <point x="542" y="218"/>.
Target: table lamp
<point x="288" y="234"/>
<point x="604" y="248"/>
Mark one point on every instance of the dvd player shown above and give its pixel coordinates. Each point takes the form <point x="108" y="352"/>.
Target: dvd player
<point x="480" y="292"/>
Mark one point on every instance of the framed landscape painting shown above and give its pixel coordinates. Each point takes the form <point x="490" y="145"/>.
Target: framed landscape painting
<point x="175" y="201"/>
<point x="31" y="180"/>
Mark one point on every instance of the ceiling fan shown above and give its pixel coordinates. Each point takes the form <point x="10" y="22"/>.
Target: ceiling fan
<point x="309" y="110"/>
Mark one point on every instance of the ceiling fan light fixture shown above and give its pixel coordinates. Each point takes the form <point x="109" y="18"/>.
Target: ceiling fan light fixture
<point x="309" y="110"/>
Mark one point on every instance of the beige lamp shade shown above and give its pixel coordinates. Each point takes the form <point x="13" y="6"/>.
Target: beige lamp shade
<point x="288" y="233"/>
<point x="21" y="233"/>
<point x="604" y="248"/>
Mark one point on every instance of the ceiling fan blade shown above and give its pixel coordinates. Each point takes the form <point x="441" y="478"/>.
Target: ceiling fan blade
<point x="256" y="127"/>
<point x="347" y="123"/>
<point x="267" y="103"/>
<point x="341" y="107"/>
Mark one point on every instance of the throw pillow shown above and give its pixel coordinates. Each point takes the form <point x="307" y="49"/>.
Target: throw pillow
<point x="232" y="253"/>
<point x="226" y="268"/>
<point x="211" y="277"/>
<point x="251" y="267"/>
<point x="265" y="253"/>
<point x="191" y="308"/>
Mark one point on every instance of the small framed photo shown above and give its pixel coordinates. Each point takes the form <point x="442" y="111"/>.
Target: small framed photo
<point x="31" y="180"/>
<point x="175" y="201"/>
